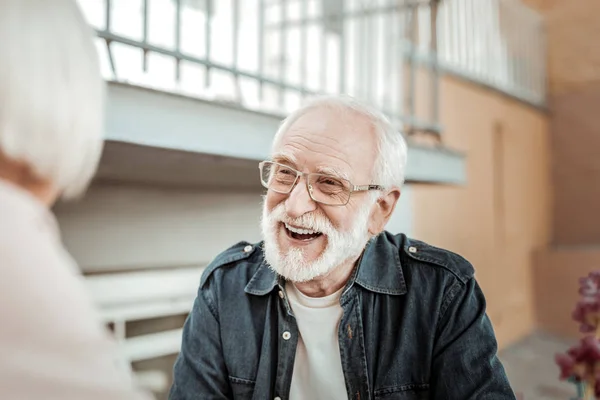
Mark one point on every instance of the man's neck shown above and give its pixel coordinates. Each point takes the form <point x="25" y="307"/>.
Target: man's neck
<point x="330" y="283"/>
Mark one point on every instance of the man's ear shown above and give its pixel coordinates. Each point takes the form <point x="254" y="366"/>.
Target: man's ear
<point x="382" y="211"/>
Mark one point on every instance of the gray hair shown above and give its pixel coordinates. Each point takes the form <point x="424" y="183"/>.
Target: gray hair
<point x="51" y="92"/>
<point x="390" y="164"/>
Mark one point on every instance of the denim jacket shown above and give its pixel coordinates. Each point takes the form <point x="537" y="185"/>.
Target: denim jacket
<point x="414" y="326"/>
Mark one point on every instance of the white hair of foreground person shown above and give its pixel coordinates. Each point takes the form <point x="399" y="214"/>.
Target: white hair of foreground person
<point x="390" y="164"/>
<point x="51" y="92"/>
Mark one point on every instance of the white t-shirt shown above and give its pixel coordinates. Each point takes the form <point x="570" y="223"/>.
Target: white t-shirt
<point x="318" y="370"/>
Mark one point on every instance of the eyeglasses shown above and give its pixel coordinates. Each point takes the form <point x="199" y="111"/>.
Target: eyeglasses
<point x="322" y="188"/>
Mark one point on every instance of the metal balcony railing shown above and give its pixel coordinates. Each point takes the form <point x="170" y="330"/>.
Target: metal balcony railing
<point x="267" y="55"/>
<point x="500" y="43"/>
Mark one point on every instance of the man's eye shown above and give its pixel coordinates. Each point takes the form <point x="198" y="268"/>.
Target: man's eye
<point x="330" y="182"/>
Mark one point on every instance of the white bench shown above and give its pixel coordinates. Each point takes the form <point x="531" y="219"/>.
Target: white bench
<point x="141" y="295"/>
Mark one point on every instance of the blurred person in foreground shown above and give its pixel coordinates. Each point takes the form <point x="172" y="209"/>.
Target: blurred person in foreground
<point x="330" y="305"/>
<point x="52" y="343"/>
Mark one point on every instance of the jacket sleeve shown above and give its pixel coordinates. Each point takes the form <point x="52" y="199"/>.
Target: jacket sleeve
<point x="465" y="362"/>
<point x="200" y="372"/>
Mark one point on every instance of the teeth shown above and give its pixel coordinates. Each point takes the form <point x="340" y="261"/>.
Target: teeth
<point x="300" y="231"/>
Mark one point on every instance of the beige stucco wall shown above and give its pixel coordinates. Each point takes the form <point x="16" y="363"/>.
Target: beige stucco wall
<point x="573" y="55"/>
<point x="574" y="79"/>
<point x="501" y="216"/>
<point x="557" y="271"/>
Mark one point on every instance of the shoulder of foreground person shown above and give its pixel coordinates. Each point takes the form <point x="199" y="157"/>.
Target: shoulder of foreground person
<point x="415" y="253"/>
<point x="52" y="342"/>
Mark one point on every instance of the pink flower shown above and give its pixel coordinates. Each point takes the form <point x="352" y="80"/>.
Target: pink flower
<point x="587" y="309"/>
<point x="582" y="361"/>
<point x="587" y="313"/>
<point x="590" y="285"/>
<point x="566" y="364"/>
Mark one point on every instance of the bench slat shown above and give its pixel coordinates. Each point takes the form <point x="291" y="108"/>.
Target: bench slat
<point x="149" y="310"/>
<point x="152" y="345"/>
<point x="135" y="287"/>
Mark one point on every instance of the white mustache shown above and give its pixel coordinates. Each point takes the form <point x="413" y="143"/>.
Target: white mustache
<point x="311" y="221"/>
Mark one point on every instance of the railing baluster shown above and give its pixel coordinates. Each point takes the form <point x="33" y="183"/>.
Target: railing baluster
<point x="488" y="52"/>
<point x="390" y="41"/>
<point x="235" y="47"/>
<point x="413" y="66"/>
<point x="108" y="16"/>
<point x="111" y="59"/>
<point x="145" y="35"/>
<point x="207" y="37"/>
<point x="177" y="39"/>
<point x="456" y="34"/>
<point x="342" y="53"/>
<point x="369" y="55"/>
<point x="472" y="23"/>
<point x="261" y="48"/>
<point x="435" y="71"/>
<point x="282" y="51"/>
<point x="303" y="47"/>
<point x="398" y="61"/>
<point x="323" y="51"/>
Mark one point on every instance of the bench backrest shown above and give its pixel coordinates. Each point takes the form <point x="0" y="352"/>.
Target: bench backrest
<point x="133" y="296"/>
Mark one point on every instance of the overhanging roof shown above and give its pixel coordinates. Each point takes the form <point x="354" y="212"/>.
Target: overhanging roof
<point x="158" y="137"/>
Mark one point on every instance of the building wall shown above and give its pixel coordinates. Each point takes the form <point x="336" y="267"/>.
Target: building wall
<point x="576" y="170"/>
<point x="501" y="216"/>
<point x="574" y="82"/>
<point x="556" y="284"/>
<point x="574" y="73"/>
<point x="128" y="226"/>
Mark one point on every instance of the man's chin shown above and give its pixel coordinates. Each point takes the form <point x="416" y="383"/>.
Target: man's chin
<point x="293" y="266"/>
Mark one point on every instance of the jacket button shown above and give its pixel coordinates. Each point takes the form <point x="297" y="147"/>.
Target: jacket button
<point x="412" y="249"/>
<point x="281" y="294"/>
<point x="286" y="335"/>
<point x="247" y="249"/>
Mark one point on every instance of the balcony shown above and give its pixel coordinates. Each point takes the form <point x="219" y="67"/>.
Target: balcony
<point x="198" y="82"/>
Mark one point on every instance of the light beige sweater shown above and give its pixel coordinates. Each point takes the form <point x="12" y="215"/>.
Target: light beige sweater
<point x="52" y="345"/>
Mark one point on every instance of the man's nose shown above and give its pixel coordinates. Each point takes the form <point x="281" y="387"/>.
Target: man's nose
<point x="299" y="202"/>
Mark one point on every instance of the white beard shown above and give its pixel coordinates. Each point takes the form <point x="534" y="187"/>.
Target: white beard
<point x="341" y="246"/>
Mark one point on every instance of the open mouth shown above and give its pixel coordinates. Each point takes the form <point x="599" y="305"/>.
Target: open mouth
<point x="300" y="233"/>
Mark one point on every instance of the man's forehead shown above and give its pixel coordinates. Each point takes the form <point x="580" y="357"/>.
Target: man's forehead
<point x="328" y="118"/>
<point x="331" y="127"/>
<point x="327" y="141"/>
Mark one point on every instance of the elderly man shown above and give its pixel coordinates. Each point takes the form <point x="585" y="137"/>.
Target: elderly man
<point x="52" y="343"/>
<point x="330" y="306"/>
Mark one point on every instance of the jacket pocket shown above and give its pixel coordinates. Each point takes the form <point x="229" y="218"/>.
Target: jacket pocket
<point x="404" y="392"/>
<point x="242" y="389"/>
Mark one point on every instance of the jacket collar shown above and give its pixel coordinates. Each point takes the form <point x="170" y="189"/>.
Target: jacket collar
<point x="379" y="270"/>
